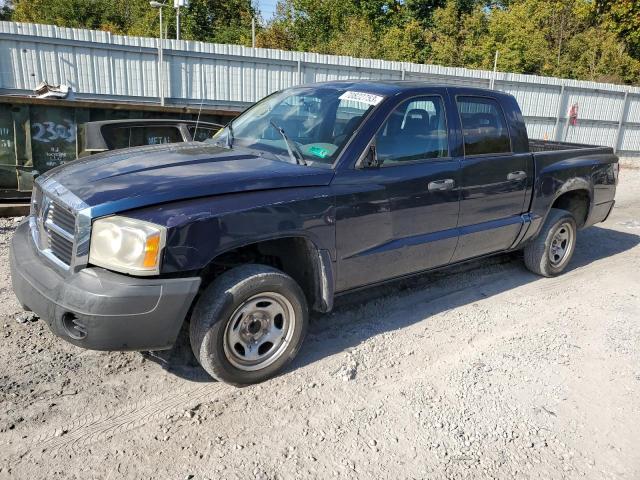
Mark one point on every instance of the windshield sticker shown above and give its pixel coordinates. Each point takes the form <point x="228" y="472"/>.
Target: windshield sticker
<point x="319" y="152"/>
<point x="368" y="98"/>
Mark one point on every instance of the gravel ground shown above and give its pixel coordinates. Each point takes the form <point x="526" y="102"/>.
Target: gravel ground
<point x="486" y="371"/>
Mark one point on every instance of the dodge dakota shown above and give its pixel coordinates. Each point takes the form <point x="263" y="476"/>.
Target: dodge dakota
<point x="312" y="192"/>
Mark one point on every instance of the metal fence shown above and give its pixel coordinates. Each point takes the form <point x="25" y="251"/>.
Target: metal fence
<point x="98" y="65"/>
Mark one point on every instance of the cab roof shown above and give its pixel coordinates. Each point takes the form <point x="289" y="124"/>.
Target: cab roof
<point x="393" y="87"/>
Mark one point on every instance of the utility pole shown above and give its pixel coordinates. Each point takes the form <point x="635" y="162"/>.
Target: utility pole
<point x="495" y="69"/>
<point x="253" y="32"/>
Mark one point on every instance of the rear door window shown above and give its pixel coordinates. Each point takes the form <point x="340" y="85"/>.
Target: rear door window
<point x="484" y="126"/>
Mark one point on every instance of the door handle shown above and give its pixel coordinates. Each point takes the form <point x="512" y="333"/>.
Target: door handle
<point x="441" y="185"/>
<point x="519" y="175"/>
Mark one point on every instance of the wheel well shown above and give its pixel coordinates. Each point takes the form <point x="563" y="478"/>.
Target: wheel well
<point x="576" y="202"/>
<point x="295" y="256"/>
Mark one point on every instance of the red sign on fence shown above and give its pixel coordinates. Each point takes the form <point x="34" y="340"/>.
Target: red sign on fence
<point x="573" y="114"/>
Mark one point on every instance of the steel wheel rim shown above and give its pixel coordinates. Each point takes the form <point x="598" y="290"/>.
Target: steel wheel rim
<point x="259" y="331"/>
<point x="561" y="244"/>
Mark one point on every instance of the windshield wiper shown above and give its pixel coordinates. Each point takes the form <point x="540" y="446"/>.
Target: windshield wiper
<point x="291" y="146"/>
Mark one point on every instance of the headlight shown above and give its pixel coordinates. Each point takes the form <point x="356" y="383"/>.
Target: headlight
<point x="127" y="245"/>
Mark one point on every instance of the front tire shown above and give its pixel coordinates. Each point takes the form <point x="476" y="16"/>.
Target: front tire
<point x="248" y="324"/>
<point x="551" y="251"/>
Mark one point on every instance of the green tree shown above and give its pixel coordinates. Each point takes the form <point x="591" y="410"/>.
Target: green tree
<point x="277" y="35"/>
<point x="225" y="21"/>
<point x="220" y="21"/>
<point x="623" y="18"/>
<point x="65" y="13"/>
<point x="596" y="54"/>
<point x="313" y="23"/>
<point x="406" y="43"/>
<point x="519" y="35"/>
<point x="357" y="39"/>
<point x="423" y="10"/>
<point x="5" y="11"/>
<point x="456" y="36"/>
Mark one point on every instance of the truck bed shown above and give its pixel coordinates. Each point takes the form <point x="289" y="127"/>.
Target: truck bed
<point x="538" y="146"/>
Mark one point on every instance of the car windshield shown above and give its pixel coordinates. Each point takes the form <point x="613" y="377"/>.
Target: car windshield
<point x="314" y="123"/>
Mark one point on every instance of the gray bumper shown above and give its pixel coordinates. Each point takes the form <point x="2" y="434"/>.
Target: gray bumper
<point x="98" y="309"/>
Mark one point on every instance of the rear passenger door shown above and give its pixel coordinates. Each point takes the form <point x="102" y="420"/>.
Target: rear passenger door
<point x="493" y="179"/>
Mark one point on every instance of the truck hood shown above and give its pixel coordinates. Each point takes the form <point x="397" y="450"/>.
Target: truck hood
<point x="143" y="176"/>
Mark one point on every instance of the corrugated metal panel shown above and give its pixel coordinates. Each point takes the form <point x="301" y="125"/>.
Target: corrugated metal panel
<point x="534" y="100"/>
<point x="541" y="128"/>
<point x="633" y="113"/>
<point x="597" y="105"/>
<point x="593" y="134"/>
<point x="97" y="64"/>
<point x="630" y="139"/>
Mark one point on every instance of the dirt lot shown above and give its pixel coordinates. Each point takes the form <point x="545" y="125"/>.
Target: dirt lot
<point x="485" y="372"/>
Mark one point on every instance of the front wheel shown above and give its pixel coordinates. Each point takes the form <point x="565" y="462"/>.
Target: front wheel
<point x="550" y="252"/>
<point x="248" y="324"/>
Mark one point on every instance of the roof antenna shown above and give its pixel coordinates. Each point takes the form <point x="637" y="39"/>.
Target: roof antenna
<point x="195" y="132"/>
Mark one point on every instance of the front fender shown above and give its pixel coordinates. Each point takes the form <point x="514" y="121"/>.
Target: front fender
<point x="200" y="230"/>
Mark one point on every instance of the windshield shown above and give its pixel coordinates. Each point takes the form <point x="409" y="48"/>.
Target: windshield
<point x="314" y="122"/>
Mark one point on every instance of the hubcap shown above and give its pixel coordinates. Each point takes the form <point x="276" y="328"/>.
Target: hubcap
<point x="561" y="244"/>
<point x="258" y="332"/>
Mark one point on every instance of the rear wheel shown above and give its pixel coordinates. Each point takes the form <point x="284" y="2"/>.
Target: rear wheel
<point x="550" y="252"/>
<point x="248" y="324"/>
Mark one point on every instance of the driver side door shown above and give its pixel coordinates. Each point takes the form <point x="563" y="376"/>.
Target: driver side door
<point x="401" y="217"/>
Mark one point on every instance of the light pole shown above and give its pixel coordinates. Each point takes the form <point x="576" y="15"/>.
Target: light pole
<point x="159" y="6"/>
<point x="178" y="22"/>
<point x="177" y="4"/>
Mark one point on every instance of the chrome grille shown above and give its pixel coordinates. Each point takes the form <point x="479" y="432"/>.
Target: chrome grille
<point x="60" y="228"/>
<point x="63" y="218"/>
<point x="53" y="228"/>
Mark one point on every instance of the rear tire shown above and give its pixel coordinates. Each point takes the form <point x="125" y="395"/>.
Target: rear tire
<point x="551" y="251"/>
<point x="248" y="324"/>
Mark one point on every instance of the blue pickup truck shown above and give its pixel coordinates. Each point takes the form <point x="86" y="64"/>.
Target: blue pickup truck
<point x="312" y="192"/>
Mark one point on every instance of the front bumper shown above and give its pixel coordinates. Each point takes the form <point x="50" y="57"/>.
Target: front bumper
<point x="98" y="309"/>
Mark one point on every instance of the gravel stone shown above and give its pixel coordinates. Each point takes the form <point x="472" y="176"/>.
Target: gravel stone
<point x="483" y="371"/>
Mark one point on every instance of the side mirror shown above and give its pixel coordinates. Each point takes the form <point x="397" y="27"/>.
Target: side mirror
<point x="370" y="159"/>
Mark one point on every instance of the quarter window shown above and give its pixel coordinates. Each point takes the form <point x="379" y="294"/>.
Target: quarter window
<point x="483" y="126"/>
<point x="415" y="130"/>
